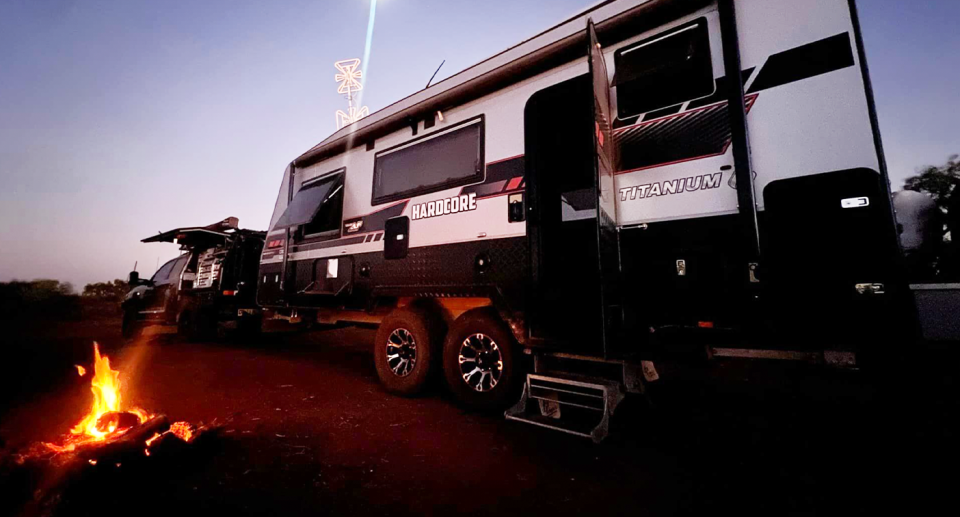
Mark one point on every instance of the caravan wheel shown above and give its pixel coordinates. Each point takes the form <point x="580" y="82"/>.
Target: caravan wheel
<point x="407" y="345"/>
<point x="478" y="360"/>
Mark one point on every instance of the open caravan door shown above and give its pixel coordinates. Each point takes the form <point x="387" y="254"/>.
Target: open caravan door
<point x="605" y="162"/>
<point x="569" y="161"/>
<point x="575" y="258"/>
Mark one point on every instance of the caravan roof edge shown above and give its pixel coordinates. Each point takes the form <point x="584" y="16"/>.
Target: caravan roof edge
<point x="491" y="76"/>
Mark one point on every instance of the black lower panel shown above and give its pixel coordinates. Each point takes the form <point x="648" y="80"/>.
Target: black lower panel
<point x="497" y="268"/>
<point x="814" y="253"/>
<point x="463" y="269"/>
<point x="817" y="252"/>
<point x="681" y="273"/>
<point x="268" y="285"/>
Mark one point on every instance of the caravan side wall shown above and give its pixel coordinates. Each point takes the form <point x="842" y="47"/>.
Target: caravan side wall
<point x="822" y="198"/>
<point x="445" y="236"/>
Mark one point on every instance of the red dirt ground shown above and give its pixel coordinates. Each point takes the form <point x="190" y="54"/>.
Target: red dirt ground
<point x="307" y="430"/>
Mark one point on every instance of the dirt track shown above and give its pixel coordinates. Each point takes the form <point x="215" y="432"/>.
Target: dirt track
<point x="307" y="430"/>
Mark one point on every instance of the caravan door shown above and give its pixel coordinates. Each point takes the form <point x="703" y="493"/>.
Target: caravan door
<point x="604" y="165"/>
<point x="569" y="166"/>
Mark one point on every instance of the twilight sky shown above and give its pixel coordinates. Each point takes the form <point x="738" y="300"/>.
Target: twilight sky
<point x="122" y="118"/>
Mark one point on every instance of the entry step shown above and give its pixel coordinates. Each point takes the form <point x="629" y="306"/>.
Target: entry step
<point x="576" y="405"/>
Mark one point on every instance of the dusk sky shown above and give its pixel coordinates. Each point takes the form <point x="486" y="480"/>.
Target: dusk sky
<point x="119" y="119"/>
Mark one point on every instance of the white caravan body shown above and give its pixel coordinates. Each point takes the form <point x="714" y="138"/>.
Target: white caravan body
<point x="444" y="166"/>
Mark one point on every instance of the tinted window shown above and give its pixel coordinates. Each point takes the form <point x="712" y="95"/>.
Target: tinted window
<point x="664" y="70"/>
<point x="327" y="218"/>
<point x="434" y="162"/>
<point x="309" y="200"/>
<point x="170" y="272"/>
<point x="163" y="272"/>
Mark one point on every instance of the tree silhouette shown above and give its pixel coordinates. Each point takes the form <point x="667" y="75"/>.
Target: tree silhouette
<point x="940" y="181"/>
<point x="943" y="184"/>
<point x="108" y="291"/>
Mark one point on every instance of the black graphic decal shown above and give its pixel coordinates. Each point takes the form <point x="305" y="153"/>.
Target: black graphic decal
<point x="502" y="177"/>
<point x="797" y="64"/>
<point x="373" y="222"/>
<point x="661" y="138"/>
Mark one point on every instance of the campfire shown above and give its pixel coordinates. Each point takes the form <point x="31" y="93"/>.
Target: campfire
<point x="110" y="422"/>
<point x="110" y="436"/>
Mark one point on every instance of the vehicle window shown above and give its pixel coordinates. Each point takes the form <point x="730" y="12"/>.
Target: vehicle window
<point x="667" y="69"/>
<point x="164" y="271"/>
<point x="438" y="161"/>
<point x="311" y="199"/>
<point x="169" y="273"/>
<point x="177" y="269"/>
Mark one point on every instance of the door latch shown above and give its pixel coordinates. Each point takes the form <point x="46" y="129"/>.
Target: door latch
<point x="869" y="288"/>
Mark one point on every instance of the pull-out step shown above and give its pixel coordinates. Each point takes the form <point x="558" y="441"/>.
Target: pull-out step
<point x="576" y="405"/>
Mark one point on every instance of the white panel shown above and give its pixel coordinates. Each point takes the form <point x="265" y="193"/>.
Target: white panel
<point x="819" y="124"/>
<point x="715" y="193"/>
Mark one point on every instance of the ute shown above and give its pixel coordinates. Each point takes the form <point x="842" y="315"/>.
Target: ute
<point x="209" y="286"/>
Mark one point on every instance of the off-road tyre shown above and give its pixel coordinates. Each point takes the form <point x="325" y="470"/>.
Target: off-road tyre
<point x="407" y="349"/>
<point x="480" y="362"/>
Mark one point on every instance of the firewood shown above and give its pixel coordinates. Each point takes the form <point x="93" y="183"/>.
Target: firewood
<point x="133" y="441"/>
<point x="114" y="421"/>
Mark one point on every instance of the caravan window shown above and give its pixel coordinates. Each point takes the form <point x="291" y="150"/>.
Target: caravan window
<point x="327" y="219"/>
<point x="667" y="69"/>
<point x="441" y="160"/>
<point x="317" y="206"/>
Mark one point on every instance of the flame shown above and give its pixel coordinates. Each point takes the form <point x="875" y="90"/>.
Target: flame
<point x="105" y="386"/>
<point x="106" y="397"/>
<point x="81" y="370"/>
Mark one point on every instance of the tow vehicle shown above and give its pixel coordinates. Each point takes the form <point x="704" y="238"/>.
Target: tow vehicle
<point x="210" y="286"/>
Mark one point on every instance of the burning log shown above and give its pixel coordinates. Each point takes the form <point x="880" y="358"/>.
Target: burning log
<point x="48" y="480"/>
<point x="114" y="421"/>
<point x="133" y="441"/>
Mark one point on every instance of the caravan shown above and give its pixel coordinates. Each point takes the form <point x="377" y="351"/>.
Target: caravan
<point x="648" y="181"/>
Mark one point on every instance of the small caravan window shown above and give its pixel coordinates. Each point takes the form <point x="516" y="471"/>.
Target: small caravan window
<point x="433" y="162"/>
<point x="664" y="70"/>
<point x="318" y="206"/>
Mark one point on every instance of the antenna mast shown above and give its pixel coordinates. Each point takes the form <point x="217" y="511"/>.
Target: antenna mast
<point x="349" y="79"/>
